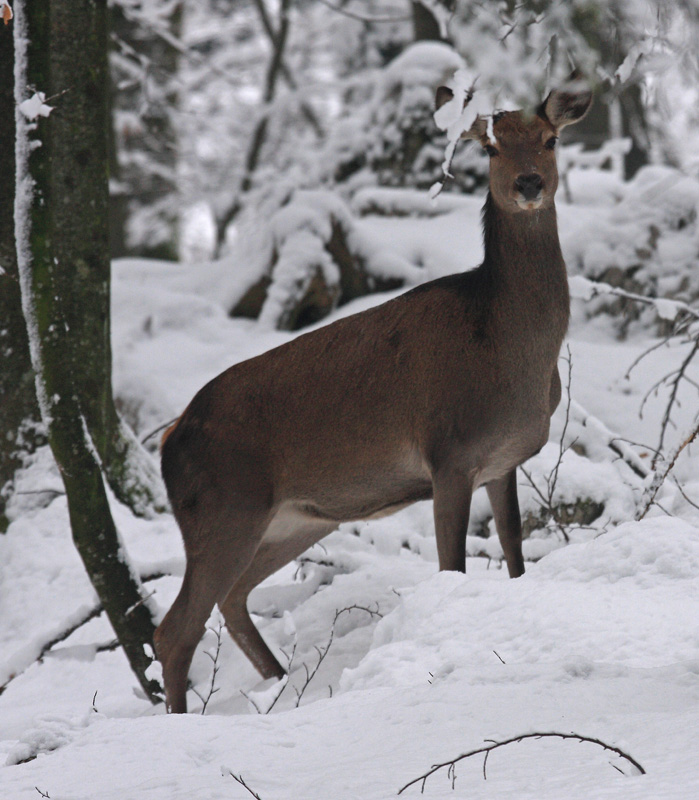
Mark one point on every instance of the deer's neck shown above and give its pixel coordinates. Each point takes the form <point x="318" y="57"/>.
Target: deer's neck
<point x="525" y="267"/>
<point x="521" y="246"/>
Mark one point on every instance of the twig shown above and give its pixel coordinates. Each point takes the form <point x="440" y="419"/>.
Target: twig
<point x="553" y="477"/>
<point x="239" y="779"/>
<point x="214" y="672"/>
<point x="661" y="474"/>
<point x="158" y="429"/>
<point x="43" y="794"/>
<point x="323" y="651"/>
<point x="494" y="745"/>
<point x="679" y="375"/>
<point x="547" y="500"/>
<point x="676" y="331"/>
<point x="284" y="681"/>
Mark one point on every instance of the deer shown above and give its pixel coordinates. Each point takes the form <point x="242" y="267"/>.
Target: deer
<point x="440" y="390"/>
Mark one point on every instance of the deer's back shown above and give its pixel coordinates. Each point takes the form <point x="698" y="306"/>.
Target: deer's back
<point x="369" y="400"/>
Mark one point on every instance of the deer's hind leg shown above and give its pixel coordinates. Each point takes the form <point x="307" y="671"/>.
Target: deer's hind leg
<point x="287" y="537"/>
<point x="217" y="555"/>
<point x="502" y="494"/>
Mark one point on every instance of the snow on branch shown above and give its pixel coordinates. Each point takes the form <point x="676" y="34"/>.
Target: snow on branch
<point x="662" y="470"/>
<point x="456" y="117"/>
<point x="584" y="289"/>
<point x="635" y="54"/>
<point x="35" y="106"/>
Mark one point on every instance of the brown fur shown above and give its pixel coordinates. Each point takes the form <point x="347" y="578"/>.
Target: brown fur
<point x="167" y="433"/>
<point x="443" y="389"/>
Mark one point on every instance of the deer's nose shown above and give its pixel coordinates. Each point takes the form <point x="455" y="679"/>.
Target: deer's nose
<point x="529" y="186"/>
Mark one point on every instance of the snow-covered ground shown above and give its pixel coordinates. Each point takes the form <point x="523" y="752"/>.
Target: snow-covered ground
<point x="599" y="638"/>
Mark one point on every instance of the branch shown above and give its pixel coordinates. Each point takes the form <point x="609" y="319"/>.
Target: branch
<point x="584" y="289"/>
<point x="67" y="629"/>
<point x="158" y="429"/>
<point x="611" y="440"/>
<point x="323" y="651"/>
<point x="259" y="135"/>
<point x="364" y="17"/>
<point x="494" y="745"/>
<point x="239" y="779"/>
<point x="214" y="659"/>
<point x="661" y="474"/>
<point x="679" y="375"/>
<point x="273" y="35"/>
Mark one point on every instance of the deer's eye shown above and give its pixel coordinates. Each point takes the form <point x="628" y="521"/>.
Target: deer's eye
<point x="490" y="150"/>
<point x="551" y="143"/>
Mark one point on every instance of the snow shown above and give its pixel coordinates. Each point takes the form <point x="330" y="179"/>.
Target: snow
<point x="598" y="637"/>
<point x="35" y="106"/>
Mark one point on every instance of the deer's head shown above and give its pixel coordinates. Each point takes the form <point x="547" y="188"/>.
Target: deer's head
<point x="523" y="172"/>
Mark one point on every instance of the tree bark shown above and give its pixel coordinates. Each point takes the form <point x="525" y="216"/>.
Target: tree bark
<point x="62" y="252"/>
<point x="19" y="413"/>
<point x="79" y="174"/>
<point x="425" y="26"/>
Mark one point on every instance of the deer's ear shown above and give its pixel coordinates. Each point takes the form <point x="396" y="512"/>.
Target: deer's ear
<point x="567" y="105"/>
<point x="444" y="95"/>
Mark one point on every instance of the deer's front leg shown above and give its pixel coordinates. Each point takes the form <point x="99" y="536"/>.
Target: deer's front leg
<point x="452" y="488"/>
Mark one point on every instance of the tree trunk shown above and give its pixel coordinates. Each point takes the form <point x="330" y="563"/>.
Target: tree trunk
<point x="425" y="26"/>
<point x="62" y="247"/>
<point x="19" y="413"/>
<point x="79" y="173"/>
<point x="147" y="151"/>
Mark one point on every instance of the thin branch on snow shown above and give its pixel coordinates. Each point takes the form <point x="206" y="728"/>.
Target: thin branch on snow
<point x="451" y="773"/>
<point x="239" y="779"/>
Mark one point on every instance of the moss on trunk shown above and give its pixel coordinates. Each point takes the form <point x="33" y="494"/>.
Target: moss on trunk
<point x="64" y="270"/>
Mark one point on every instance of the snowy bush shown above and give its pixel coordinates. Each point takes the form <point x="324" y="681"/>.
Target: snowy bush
<point x="317" y="259"/>
<point x="393" y="140"/>
<point x="647" y="243"/>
